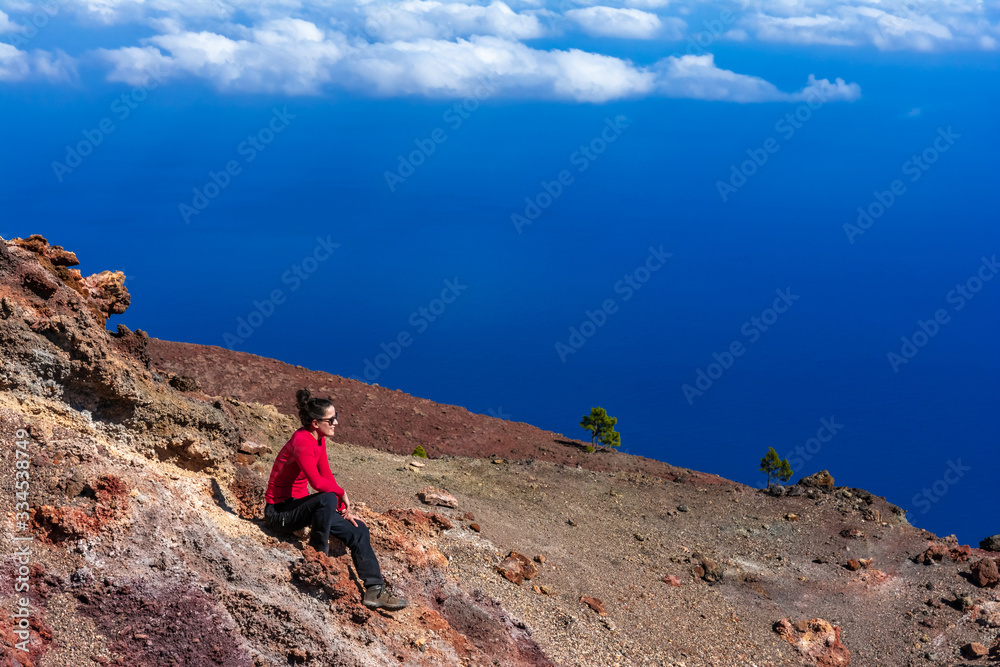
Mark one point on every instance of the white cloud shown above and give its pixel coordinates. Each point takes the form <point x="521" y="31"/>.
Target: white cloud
<point x="6" y="25"/>
<point x="17" y="65"/>
<point x="886" y="24"/>
<point x="698" y="77"/>
<point x="603" y="21"/>
<point x="479" y="66"/>
<point x="929" y="25"/>
<point x="287" y="55"/>
<point x="443" y="48"/>
<point x="415" y="19"/>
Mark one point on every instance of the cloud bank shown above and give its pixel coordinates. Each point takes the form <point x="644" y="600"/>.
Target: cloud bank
<point x="442" y="48"/>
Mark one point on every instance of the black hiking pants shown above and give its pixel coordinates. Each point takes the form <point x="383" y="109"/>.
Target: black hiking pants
<point x="320" y="512"/>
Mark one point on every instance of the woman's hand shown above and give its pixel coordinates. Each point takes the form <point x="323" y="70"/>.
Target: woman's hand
<point x="346" y="511"/>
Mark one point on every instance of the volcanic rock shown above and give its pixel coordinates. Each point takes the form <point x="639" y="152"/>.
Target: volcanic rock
<point x="938" y="552"/>
<point x="253" y="448"/>
<point x="990" y="543"/>
<point x="816" y="640"/>
<point x="517" y="567"/>
<point x="820" y="480"/>
<point x="985" y="572"/>
<point x="973" y="651"/>
<point x="707" y="569"/>
<point x="431" y="496"/>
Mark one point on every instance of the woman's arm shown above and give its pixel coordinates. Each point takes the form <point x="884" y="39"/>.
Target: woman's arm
<point x="324" y="469"/>
<point x="317" y="470"/>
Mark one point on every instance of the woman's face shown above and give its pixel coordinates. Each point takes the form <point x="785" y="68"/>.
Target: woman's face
<point x="326" y="428"/>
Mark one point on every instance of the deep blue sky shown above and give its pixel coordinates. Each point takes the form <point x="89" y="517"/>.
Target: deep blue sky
<point x="493" y="348"/>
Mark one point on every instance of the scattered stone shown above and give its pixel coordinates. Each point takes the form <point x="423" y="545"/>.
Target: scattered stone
<point x="640" y="537"/>
<point x="539" y="558"/>
<point x="475" y="527"/>
<point x="440" y="520"/>
<point x="594" y="604"/>
<point x="417" y="464"/>
<point x="570" y="522"/>
<point x="852" y="533"/>
<point x="985" y="573"/>
<point x="962" y="601"/>
<point x="253" y="448"/>
<point x="469" y="516"/>
<point x="973" y="651"/>
<point x="938" y="552"/>
<point x="854" y="564"/>
<point x="672" y="579"/>
<point x="794" y="490"/>
<point x="184" y="383"/>
<point x="819" y="641"/>
<point x="707" y="568"/>
<point x="776" y="490"/>
<point x="791" y="517"/>
<point x="516" y="568"/>
<point x="820" y="480"/>
<point x="432" y="496"/>
<point x="990" y="543"/>
<point x="682" y="508"/>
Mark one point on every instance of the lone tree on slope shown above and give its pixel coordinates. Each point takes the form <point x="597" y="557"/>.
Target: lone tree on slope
<point x="773" y="466"/>
<point x="602" y="428"/>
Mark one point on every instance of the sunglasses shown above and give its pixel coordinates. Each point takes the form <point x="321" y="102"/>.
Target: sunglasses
<point x="329" y="419"/>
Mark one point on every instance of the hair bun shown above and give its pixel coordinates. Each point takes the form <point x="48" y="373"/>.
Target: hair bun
<point x="302" y="397"/>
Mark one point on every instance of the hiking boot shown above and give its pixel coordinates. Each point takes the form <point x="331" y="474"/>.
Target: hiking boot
<point x="377" y="597"/>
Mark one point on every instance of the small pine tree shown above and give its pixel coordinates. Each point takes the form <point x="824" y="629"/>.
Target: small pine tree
<point x="773" y="466"/>
<point x="419" y="451"/>
<point x="602" y="428"/>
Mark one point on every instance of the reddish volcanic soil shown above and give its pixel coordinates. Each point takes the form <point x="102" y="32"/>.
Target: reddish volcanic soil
<point x="392" y="420"/>
<point x="141" y="466"/>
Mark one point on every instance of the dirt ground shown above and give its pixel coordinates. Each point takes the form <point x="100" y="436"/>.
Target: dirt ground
<point x="148" y="460"/>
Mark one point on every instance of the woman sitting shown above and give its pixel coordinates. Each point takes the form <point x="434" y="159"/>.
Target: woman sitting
<point x="289" y="508"/>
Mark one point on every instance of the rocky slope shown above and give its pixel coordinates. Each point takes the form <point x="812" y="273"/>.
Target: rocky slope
<point x="143" y="463"/>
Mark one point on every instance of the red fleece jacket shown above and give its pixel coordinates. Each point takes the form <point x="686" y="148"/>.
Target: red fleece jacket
<point x="302" y="459"/>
